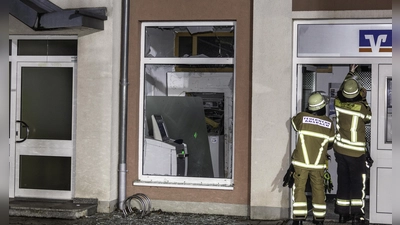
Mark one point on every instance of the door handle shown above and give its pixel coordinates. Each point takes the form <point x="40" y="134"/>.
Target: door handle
<point x="24" y="125"/>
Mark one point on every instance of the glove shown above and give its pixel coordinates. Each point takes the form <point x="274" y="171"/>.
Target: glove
<point x="327" y="181"/>
<point x="288" y="179"/>
<point x="368" y="160"/>
<point x="363" y="93"/>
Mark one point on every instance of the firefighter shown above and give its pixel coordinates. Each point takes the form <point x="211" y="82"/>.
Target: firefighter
<point x="352" y="113"/>
<point x="315" y="132"/>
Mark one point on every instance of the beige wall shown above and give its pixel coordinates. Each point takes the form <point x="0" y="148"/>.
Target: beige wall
<point x="97" y="107"/>
<point x="271" y="96"/>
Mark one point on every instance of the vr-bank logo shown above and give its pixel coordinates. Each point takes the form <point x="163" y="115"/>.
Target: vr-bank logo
<point x="375" y="41"/>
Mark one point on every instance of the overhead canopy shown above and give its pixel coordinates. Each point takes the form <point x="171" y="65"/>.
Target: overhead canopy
<point x="45" y="15"/>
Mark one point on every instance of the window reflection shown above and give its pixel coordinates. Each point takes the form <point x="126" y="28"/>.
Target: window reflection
<point x="48" y="112"/>
<point x="388" y="138"/>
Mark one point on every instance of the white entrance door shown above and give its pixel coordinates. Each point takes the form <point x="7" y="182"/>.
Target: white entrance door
<point x="381" y="147"/>
<point x="41" y="115"/>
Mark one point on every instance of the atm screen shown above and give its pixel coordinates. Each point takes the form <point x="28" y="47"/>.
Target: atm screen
<point x="161" y="127"/>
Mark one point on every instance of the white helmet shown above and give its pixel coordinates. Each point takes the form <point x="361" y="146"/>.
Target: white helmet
<point x="351" y="88"/>
<point x="317" y="101"/>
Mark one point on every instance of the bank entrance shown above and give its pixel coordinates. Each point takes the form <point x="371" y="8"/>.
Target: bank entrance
<point x="323" y="53"/>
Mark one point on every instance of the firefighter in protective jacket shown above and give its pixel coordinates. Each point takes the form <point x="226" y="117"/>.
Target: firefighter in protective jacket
<point x="352" y="113"/>
<point x="315" y="132"/>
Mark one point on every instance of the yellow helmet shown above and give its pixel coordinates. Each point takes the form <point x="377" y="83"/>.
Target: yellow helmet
<point x="317" y="101"/>
<point x="350" y="88"/>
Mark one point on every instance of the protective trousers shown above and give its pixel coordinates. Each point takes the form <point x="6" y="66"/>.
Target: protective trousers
<point x="301" y="176"/>
<point x="350" y="195"/>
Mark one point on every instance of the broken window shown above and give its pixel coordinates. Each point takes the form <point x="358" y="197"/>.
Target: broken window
<point x="187" y="80"/>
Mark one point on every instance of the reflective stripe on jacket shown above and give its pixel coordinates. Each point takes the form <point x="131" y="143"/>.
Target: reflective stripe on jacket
<point x="314" y="134"/>
<point x="351" y="118"/>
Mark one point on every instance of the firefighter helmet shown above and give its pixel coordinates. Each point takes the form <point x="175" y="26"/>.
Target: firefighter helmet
<point x="351" y="88"/>
<point x="317" y="101"/>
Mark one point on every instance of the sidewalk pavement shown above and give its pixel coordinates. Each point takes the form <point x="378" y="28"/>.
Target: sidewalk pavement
<point x="155" y="218"/>
<point x="79" y="212"/>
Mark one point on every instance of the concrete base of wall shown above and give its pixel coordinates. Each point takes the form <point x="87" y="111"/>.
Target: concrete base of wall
<point x="268" y="213"/>
<point x="201" y="208"/>
<point x="107" y="206"/>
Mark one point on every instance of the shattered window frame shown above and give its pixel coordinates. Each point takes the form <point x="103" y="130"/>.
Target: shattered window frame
<point x="152" y="55"/>
<point x="197" y="39"/>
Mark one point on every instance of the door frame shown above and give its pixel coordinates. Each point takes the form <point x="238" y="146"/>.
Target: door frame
<point x="381" y="152"/>
<point x="62" y="148"/>
<point x="15" y="62"/>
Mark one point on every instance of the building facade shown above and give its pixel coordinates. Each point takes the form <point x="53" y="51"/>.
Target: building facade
<point x="219" y="77"/>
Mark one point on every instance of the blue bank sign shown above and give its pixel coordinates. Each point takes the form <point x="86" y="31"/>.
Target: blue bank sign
<point x="375" y="41"/>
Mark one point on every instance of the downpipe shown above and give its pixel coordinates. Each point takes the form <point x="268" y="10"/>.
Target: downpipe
<point x="123" y="102"/>
<point x="122" y="186"/>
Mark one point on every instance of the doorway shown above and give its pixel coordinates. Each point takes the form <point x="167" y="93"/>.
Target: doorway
<point x="42" y="119"/>
<point x="376" y="79"/>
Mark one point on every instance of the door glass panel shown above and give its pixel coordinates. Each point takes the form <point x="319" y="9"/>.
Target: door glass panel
<point x="9" y="97"/>
<point x="47" y="47"/>
<point x="46" y="102"/>
<point x="45" y="172"/>
<point x="388" y="135"/>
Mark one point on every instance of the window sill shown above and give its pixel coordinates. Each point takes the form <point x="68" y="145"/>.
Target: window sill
<point x="182" y="185"/>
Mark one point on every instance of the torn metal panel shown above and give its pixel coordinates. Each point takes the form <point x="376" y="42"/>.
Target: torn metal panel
<point x="44" y="15"/>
